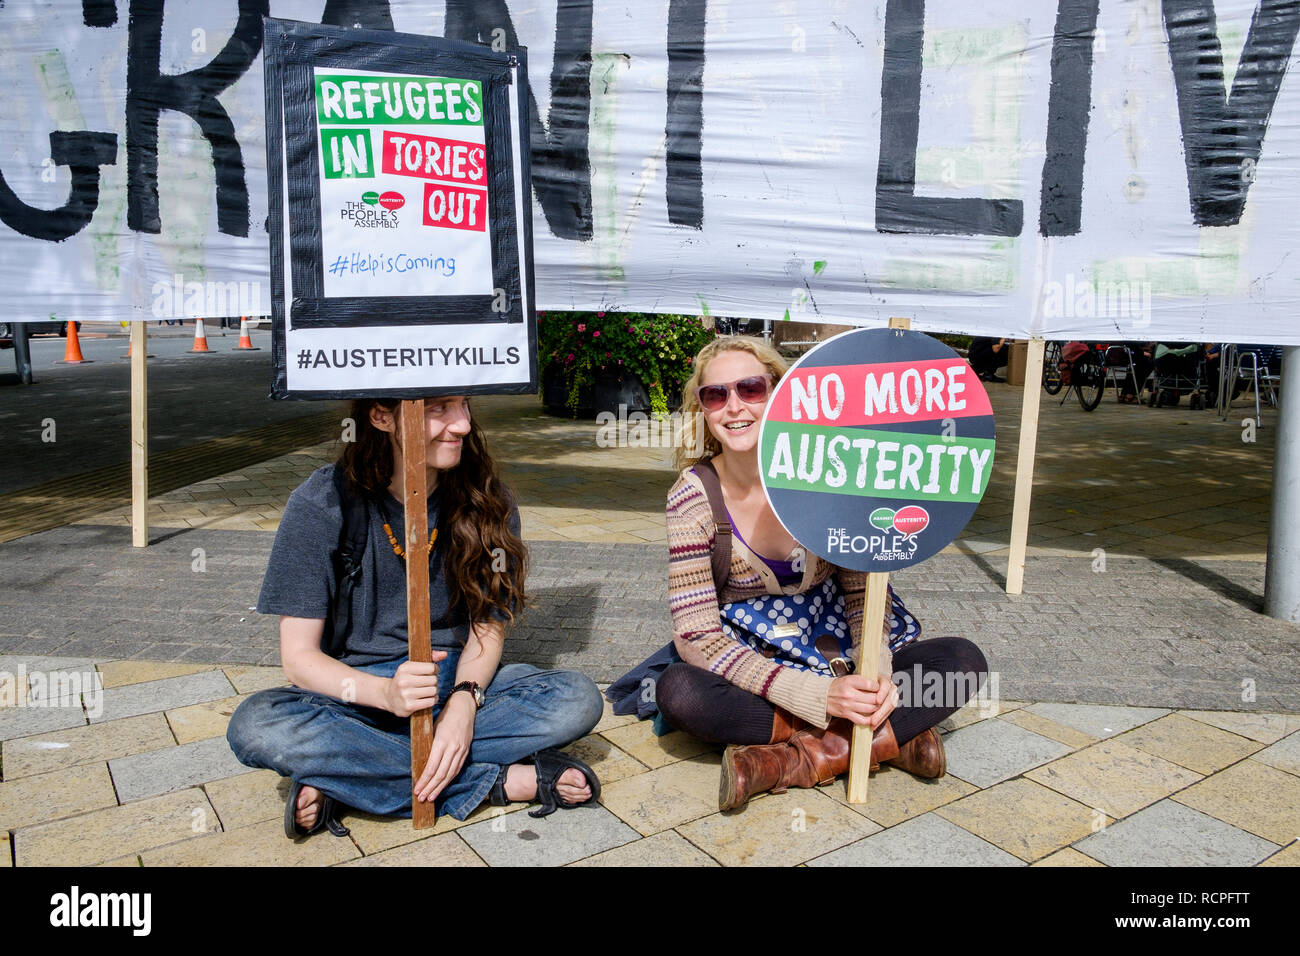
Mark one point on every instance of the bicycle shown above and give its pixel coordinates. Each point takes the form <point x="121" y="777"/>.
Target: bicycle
<point x="1085" y="375"/>
<point x="1052" y="380"/>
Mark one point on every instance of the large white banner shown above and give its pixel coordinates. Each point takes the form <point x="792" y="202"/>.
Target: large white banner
<point x="1122" y="169"/>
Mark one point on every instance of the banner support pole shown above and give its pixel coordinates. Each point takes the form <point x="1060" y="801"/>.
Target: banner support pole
<point x="139" y="438"/>
<point x="1025" y="466"/>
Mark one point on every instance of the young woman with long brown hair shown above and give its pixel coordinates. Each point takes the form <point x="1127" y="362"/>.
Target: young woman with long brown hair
<point x="342" y="731"/>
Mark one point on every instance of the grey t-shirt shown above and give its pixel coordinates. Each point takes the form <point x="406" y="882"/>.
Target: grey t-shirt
<point x="299" y="578"/>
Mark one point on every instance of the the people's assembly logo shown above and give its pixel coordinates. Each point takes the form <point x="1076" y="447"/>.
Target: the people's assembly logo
<point x="375" y="210"/>
<point x="896" y="539"/>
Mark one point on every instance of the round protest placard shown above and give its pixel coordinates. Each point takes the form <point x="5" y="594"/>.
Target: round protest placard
<point x="876" y="448"/>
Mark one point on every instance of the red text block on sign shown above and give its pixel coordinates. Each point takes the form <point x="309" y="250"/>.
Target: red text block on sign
<point x="432" y="157"/>
<point x="450" y="207"/>
<point x="880" y="394"/>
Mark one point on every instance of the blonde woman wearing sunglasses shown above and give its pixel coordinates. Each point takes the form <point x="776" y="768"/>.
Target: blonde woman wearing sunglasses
<point x="785" y="726"/>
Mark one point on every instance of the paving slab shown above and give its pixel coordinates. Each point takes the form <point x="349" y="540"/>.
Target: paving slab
<point x="1266" y="728"/>
<point x="374" y="834"/>
<point x="201" y="721"/>
<point x="516" y="839"/>
<point x="59" y="749"/>
<point x="777" y="829"/>
<point x="993" y="750"/>
<point x="51" y="796"/>
<point x="666" y="849"/>
<point x="1114" y="778"/>
<point x="895" y="795"/>
<point x="162" y="695"/>
<point x="123" y="672"/>
<point x="1098" y="720"/>
<point x="37" y="662"/>
<point x="609" y="719"/>
<point x="161" y="771"/>
<point x="248" y="798"/>
<point x="1253" y="796"/>
<point x="1287" y="856"/>
<point x="640" y="742"/>
<point x="927" y="840"/>
<point x="1190" y="743"/>
<point x="1023" y="818"/>
<point x="1067" y="857"/>
<point x="1284" y="755"/>
<point x="1170" y="834"/>
<point x="1040" y="725"/>
<point x="116" y="831"/>
<point x="262" y="844"/>
<point x="27" y="720"/>
<point x="665" y="798"/>
<point x="249" y="680"/>
<point x="608" y="762"/>
<point x="445" y="849"/>
<point x="6" y="853"/>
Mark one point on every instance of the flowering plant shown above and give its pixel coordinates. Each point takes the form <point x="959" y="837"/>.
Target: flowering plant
<point x="658" y="349"/>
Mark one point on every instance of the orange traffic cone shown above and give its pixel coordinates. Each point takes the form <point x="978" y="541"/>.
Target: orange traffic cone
<point x="200" y="337"/>
<point x="245" y="342"/>
<point x="72" y="351"/>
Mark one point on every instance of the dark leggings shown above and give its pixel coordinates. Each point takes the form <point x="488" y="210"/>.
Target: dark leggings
<point x="711" y="708"/>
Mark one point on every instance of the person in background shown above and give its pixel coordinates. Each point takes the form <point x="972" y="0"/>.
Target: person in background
<point x="986" y="356"/>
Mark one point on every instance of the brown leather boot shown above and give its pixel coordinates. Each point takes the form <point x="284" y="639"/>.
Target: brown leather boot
<point x="922" y="755"/>
<point x="784" y="726"/>
<point x="811" y="758"/>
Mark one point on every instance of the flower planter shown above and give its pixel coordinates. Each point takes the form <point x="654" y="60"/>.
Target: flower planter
<point x="606" y="394"/>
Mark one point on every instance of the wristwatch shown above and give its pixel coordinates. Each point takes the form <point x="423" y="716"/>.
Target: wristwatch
<point x="475" y="691"/>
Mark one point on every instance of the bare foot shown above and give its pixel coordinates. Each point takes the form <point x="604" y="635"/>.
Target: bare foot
<point x="521" y="784"/>
<point x="309" y="803"/>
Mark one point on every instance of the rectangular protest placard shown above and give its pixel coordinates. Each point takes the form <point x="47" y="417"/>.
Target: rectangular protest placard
<point x="400" y="221"/>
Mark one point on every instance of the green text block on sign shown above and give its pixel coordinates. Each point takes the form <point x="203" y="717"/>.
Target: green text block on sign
<point x="879" y="464"/>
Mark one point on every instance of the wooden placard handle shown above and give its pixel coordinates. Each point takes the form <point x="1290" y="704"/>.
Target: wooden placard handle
<point x="416" y="522"/>
<point x="868" y="638"/>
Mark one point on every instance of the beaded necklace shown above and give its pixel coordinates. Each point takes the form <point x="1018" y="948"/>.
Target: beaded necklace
<point x="392" y="538"/>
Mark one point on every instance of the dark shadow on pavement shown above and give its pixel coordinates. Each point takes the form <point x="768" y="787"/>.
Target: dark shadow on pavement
<point x="1224" y="587"/>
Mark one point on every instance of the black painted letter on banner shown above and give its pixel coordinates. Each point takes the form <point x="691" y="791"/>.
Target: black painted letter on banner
<point x="560" y="156"/>
<point x="1223" y="134"/>
<point x="366" y="14"/>
<point x="898" y="208"/>
<point x="685" y="126"/>
<point x="1069" y="100"/>
<point x="83" y="153"/>
<point x="99" y="13"/>
<point x="149" y="92"/>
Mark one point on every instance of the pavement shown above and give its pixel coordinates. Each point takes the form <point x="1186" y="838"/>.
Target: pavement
<point x="1142" y="710"/>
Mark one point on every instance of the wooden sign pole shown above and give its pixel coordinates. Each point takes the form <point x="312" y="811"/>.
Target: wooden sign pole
<point x="416" y="521"/>
<point x="868" y="638"/>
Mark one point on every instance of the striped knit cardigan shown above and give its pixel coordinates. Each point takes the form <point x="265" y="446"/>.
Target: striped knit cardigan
<point x="693" y="600"/>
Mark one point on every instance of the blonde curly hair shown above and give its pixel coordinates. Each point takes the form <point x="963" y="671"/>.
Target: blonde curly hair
<point x="697" y="442"/>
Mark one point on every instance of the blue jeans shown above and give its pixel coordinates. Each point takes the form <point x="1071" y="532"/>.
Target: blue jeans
<point x="361" y="756"/>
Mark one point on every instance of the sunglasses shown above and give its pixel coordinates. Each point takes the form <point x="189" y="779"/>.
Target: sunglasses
<point x="752" y="390"/>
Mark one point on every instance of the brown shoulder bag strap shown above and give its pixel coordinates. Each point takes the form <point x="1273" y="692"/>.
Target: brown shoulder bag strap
<point x="722" y="526"/>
